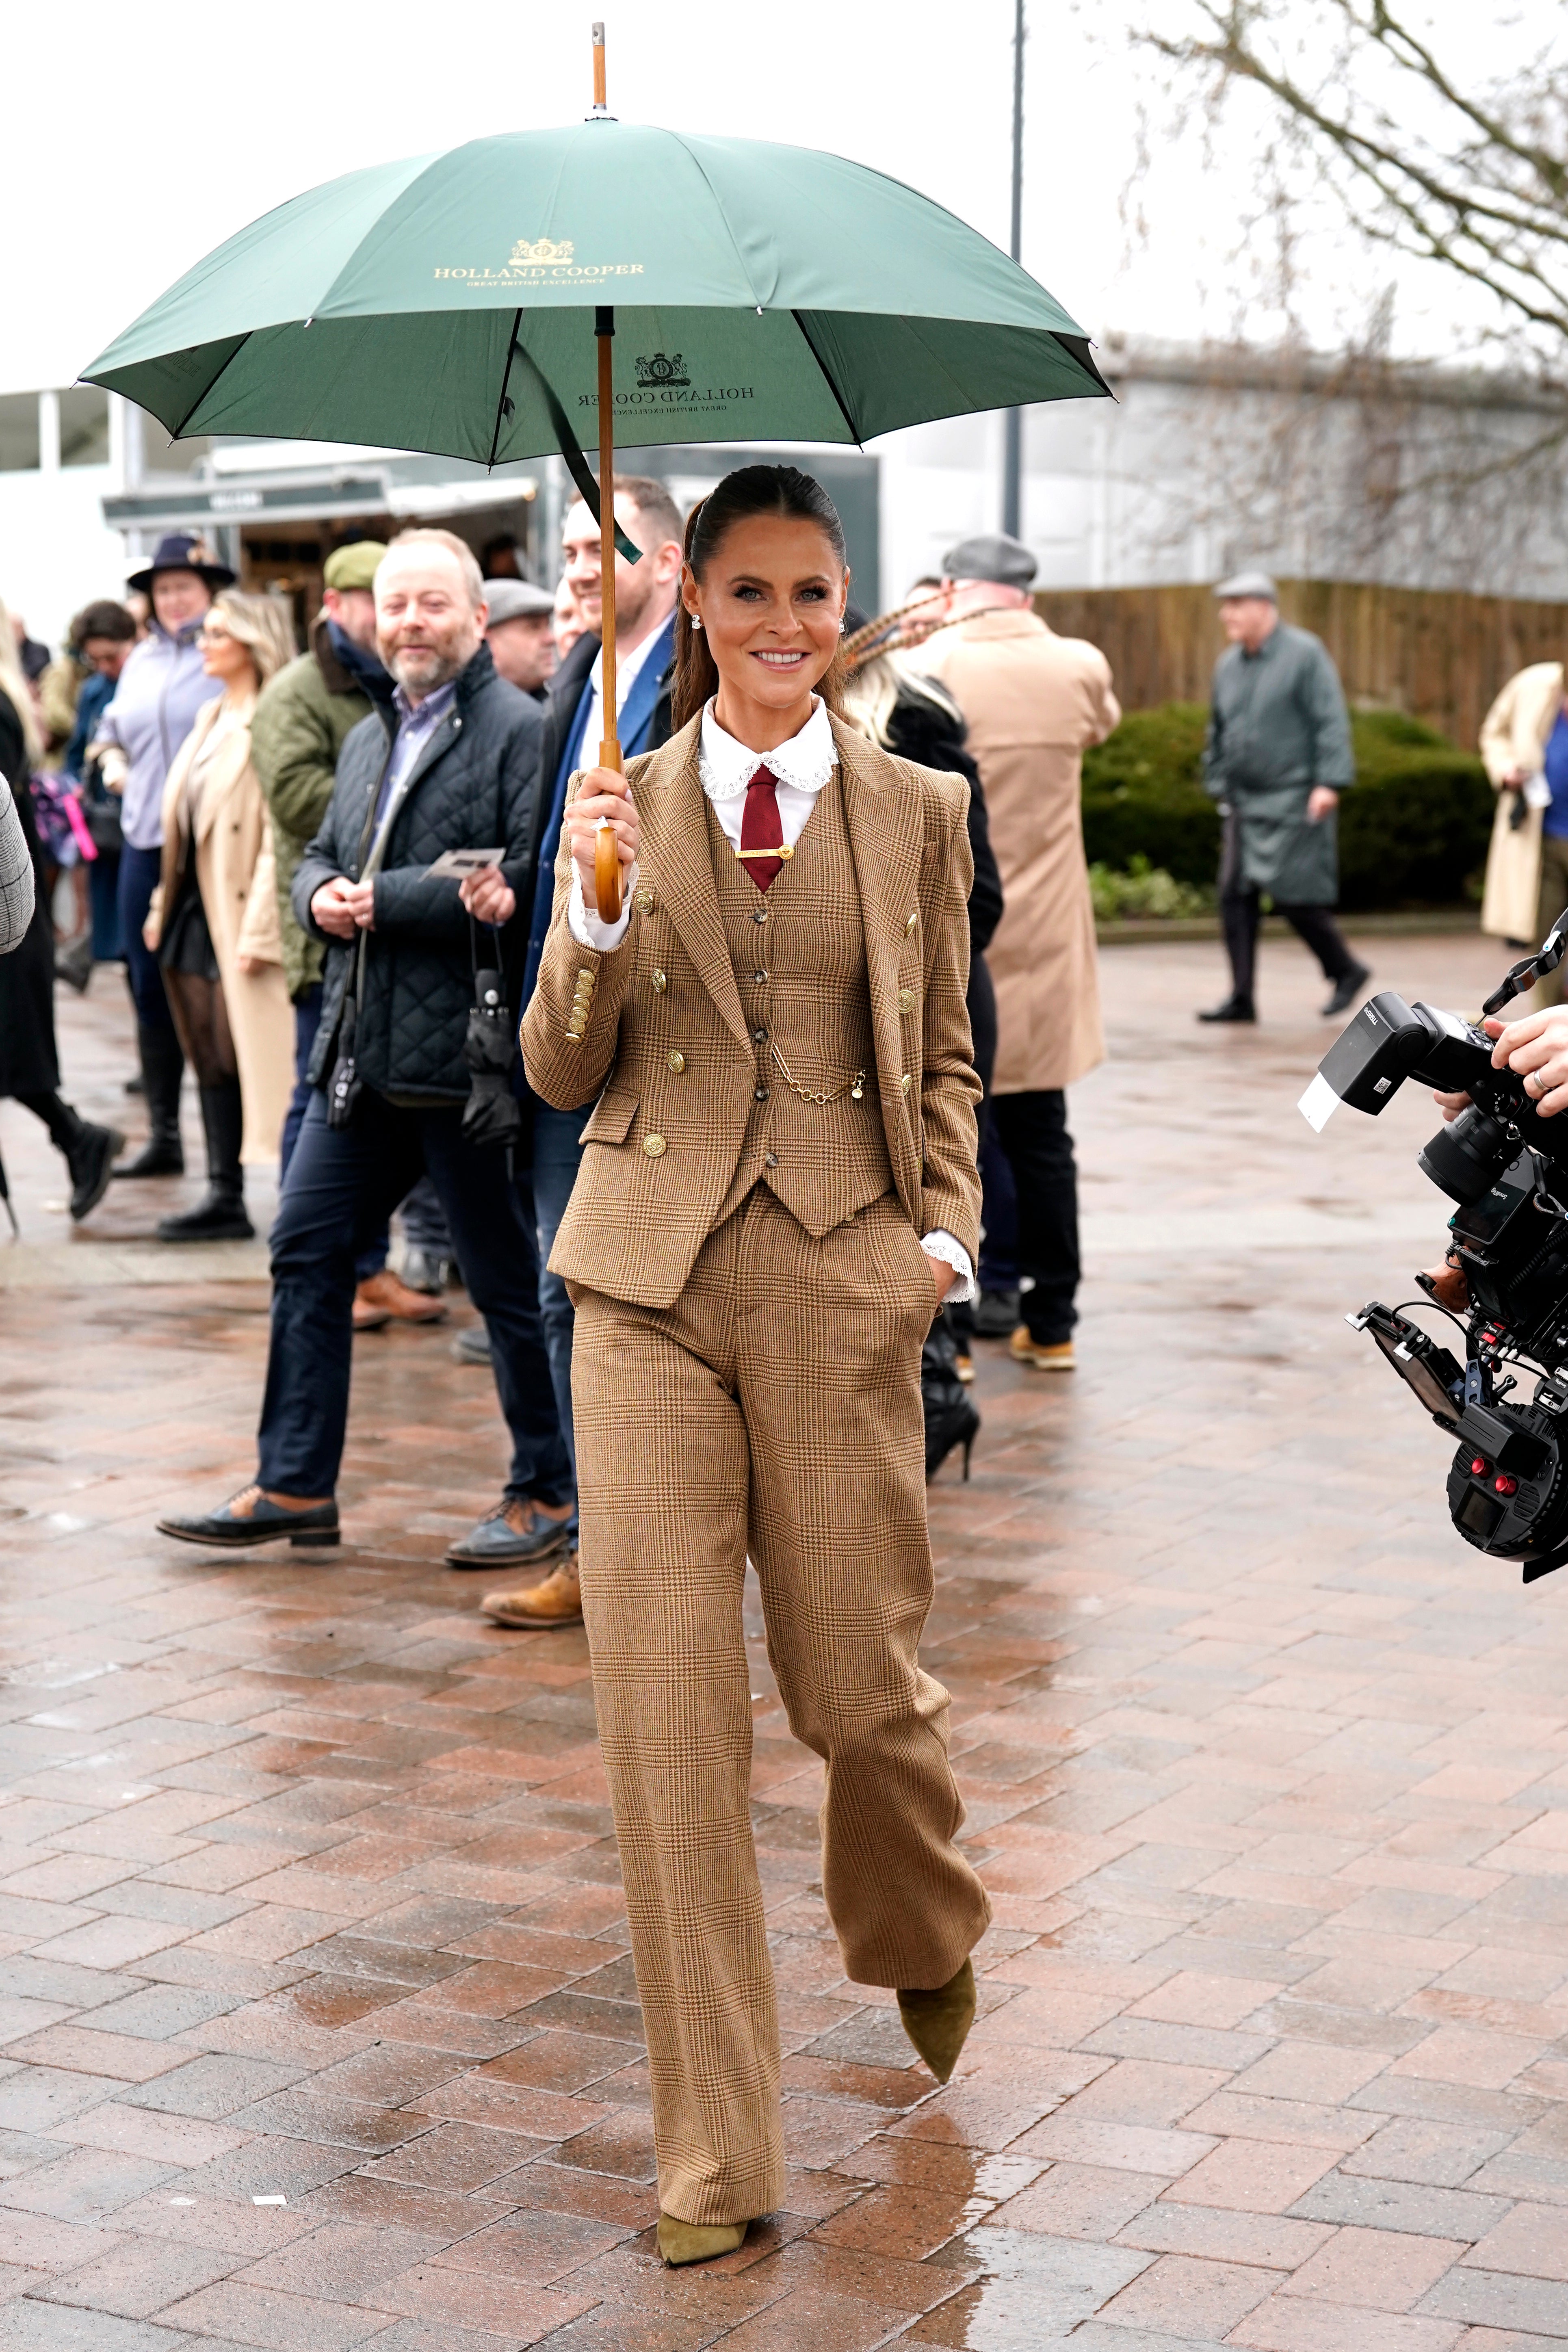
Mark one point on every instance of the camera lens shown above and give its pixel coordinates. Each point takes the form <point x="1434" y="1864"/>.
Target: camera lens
<point x="1466" y="1158"/>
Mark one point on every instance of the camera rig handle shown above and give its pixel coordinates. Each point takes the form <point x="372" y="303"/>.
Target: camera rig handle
<point x="1522" y="977"/>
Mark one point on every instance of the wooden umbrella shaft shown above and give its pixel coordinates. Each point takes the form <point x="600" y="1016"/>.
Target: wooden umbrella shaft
<point x="606" y="857"/>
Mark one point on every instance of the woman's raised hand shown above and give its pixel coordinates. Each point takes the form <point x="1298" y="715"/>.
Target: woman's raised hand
<point x="602" y="794"/>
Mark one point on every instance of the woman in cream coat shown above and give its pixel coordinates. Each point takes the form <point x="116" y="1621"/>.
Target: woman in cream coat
<point x="1527" y="871"/>
<point x="213" y="923"/>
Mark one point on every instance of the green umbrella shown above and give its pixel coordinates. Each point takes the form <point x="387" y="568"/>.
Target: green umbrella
<point x="451" y="303"/>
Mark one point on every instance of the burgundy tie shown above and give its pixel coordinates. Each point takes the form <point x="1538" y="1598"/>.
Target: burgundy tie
<point x="761" y="830"/>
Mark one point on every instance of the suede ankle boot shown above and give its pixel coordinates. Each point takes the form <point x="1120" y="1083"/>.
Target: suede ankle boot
<point x="680" y="2242"/>
<point x="163" y="1066"/>
<point x="221" y="1216"/>
<point x="937" y="2023"/>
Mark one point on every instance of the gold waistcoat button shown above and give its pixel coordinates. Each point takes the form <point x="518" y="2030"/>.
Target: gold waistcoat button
<point x="645" y="901"/>
<point x="677" y="1063"/>
<point x="904" y="1082"/>
<point x="659" y="981"/>
<point x="906" y="999"/>
<point x="654" y="1146"/>
<point x="908" y="927"/>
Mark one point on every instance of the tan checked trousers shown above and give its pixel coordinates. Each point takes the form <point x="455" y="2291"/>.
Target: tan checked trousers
<point x="774" y="1408"/>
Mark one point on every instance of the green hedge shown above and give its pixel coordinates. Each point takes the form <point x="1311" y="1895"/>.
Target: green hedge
<point x="1413" y="832"/>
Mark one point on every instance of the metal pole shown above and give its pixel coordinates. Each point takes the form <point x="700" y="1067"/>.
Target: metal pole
<point x="1013" y="422"/>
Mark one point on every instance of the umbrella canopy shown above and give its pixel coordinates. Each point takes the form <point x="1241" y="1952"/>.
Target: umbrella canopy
<point x="447" y="303"/>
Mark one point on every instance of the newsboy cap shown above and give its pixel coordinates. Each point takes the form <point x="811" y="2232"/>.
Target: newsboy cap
<point x="1248" y="583"/>
<point x="516" y="599"/>
<point x="1004" y="561"/>
<point x="353" y="566"/>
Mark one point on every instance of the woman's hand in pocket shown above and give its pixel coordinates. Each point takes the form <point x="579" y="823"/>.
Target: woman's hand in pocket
<point x="943" y="1275"/>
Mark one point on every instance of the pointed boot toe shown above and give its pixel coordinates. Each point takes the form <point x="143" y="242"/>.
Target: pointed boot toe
<point x="937" y="2023"/>
<point x="696" y="2241"/>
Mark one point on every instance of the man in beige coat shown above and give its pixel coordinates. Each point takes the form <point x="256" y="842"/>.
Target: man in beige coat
<point x="1527" y="864"/>
<point x="1033" y="703"/>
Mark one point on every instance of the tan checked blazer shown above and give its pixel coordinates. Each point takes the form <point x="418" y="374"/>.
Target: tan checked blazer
<point x="661" y="1149"/>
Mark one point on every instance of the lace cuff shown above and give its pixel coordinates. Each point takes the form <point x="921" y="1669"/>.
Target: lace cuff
<point x="942" y="1245"/>
<point x="587" y="929"/>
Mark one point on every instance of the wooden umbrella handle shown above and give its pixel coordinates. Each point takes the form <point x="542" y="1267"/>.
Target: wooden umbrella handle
<point x="607" y="873"/>
<point x="607" y="857"/>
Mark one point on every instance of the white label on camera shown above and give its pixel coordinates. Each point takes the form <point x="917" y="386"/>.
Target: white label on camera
<point x="1319" y="1103"/>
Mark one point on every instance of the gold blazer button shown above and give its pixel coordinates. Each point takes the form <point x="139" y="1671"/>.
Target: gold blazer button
<point x="645" y="901"/>
<point x="908" y="927"/>
<point x="659" y="981"/>
<point x="906" y="1000"/>
<point x="904" y="1082"/>
<point x="677" y="1063"/>
<point x="654" y="1146"/>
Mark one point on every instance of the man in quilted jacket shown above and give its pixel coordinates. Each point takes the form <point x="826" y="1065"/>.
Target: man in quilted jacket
<point x="453" y="763"/>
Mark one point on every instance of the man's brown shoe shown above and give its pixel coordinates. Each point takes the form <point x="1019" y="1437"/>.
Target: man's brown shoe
<point x="1038" y="1355"/>
<point x="385" y="1297"/>
<point x="557" y="1601"/>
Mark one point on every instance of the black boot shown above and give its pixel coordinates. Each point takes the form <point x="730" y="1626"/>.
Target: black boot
<point x="1234" y="1008"/>
<point x="163" y="1066"/>
<point x="74" y="965"/>
<point x="221" y="1216"/>
<point x="87" y="1151"/>
<point x="90" y="1159"/>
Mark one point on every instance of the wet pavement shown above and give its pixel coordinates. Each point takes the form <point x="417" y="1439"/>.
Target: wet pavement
<point x="317" y="2024"/>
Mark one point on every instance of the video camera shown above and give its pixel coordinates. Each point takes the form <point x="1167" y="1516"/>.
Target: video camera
<point x="1505" y="1283"/>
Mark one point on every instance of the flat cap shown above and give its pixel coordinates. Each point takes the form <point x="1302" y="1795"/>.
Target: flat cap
<point x="516" y="599"/>
<point x="1248" y="583"/>
<point x="353" y="566"/>
<point x="1005" y="561"/>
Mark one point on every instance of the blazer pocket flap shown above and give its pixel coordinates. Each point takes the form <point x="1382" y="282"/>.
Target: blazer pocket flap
<point x="612" y="1116"/>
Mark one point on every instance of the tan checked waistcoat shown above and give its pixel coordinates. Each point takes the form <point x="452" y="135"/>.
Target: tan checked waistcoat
<point x="661" y="1027"/>
<point x="802" y="979"/>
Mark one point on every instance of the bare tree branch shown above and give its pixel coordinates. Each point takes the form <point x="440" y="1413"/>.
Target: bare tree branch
<point x="1472" y="180"/>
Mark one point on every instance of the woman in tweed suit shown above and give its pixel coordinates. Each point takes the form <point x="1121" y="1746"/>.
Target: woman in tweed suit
<point x="778" y="1187"/>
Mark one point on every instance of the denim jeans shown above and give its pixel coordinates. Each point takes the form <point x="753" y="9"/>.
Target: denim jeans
<point x="344" y="1183"/>
<point x="139" y="871"/>
<point x="557" y="1156"/>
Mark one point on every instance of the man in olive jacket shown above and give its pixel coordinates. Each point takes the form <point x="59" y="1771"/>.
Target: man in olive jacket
<point x="453" y="765"/>
<point x="1276" y="759"/>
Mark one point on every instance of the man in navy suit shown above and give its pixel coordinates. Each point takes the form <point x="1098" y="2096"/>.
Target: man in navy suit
<point x="573" y="727"/>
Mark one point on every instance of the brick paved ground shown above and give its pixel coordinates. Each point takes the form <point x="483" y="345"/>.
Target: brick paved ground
<point x="308" y="1893"/>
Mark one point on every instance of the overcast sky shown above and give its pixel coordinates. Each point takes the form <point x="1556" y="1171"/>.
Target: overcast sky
<point x="137" y="139"/>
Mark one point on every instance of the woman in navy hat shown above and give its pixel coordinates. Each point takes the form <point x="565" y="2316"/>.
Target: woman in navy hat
<point x="161" y="689"/>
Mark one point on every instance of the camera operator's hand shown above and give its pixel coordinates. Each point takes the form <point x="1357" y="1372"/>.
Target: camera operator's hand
<point x="1536" y="1048"/>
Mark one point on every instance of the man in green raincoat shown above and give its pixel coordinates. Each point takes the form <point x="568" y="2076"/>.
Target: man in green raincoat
<point x="1276" y="759"/>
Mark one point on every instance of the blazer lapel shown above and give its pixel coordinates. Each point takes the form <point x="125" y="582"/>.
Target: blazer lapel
<point x="885" y="836"/>
<point x="674" y="813"/>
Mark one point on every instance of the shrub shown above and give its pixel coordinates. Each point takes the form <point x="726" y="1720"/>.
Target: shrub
<point x="1414" y="830"/>
<point x="1143" y="890"/>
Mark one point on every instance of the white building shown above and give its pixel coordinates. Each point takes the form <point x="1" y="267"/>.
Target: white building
<point x="1205" y="459"/>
